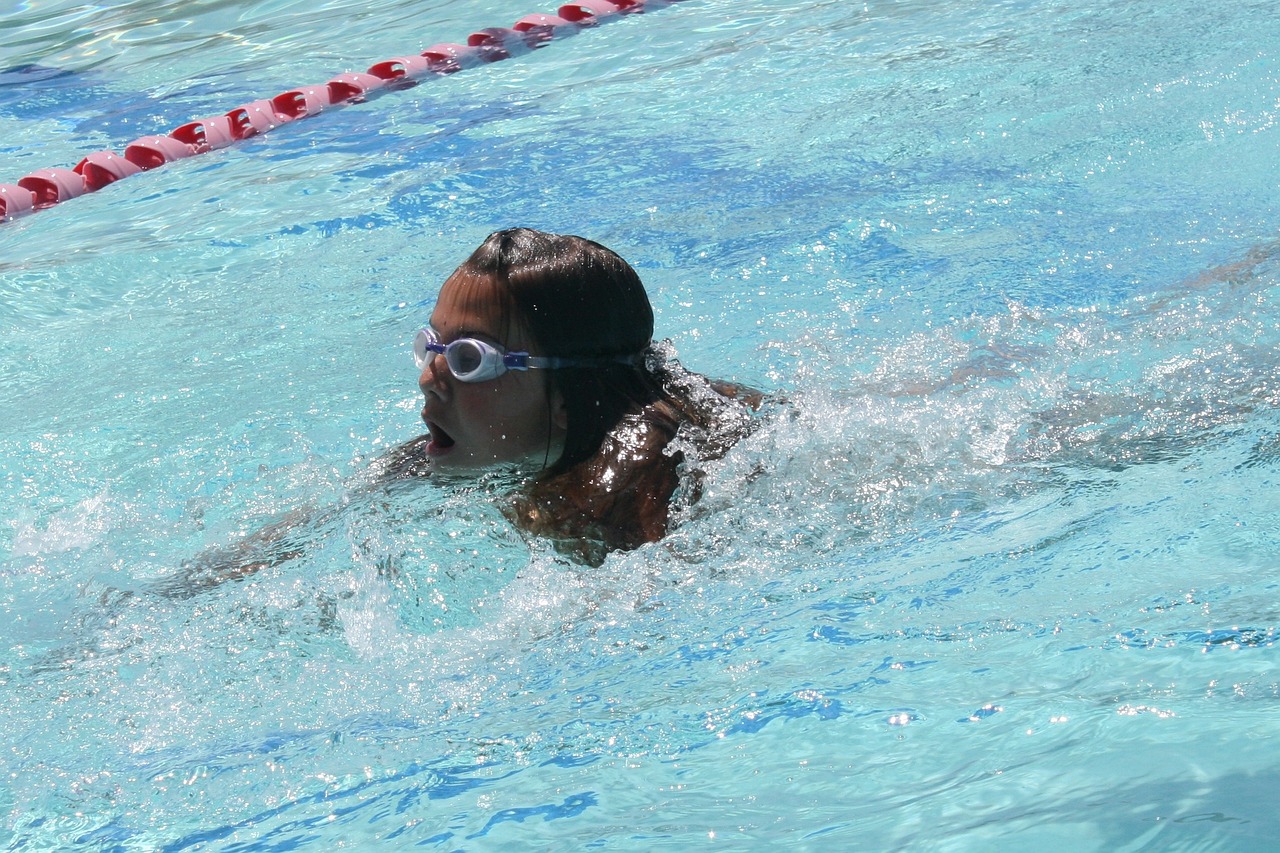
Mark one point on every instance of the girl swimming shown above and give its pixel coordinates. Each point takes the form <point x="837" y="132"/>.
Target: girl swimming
<point x="539" y="358"/>
<point x="539" y="353"/>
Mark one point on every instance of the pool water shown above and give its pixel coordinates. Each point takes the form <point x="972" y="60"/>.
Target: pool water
<point x="1002" y="570"/>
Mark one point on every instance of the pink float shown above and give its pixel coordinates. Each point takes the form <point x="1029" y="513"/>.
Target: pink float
<point x="51" y="186"/>
<point x="104" y="167"/>
<point x="448" y="58"/>
<point x="497" y="43"/>
<point x="15" y="201"/>
<point x="46" y="187"/>
<point x="540" y="29"/>
<point x="257" y="117"/>
<point x="401" y="68"/>
<point x="300" y="103"/>
<point x="148" y="152"/>
<point x="353" y="86"/>
<point x="588" y="13"/>
<point x="206" y="134"/>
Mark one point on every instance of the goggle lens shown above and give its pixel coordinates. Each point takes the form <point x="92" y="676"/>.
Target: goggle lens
<point x="421" y="353"/>
<point x="464" y="357"/>
<point x="469" y="360"/>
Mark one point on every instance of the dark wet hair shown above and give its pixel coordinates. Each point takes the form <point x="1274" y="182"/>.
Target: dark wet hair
<point x="576" y="299"/>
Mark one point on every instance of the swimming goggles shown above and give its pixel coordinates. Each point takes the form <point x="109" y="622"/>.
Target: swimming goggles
<point x="472" y="360"/>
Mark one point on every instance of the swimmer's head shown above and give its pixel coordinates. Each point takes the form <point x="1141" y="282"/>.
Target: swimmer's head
<point x="576" y="298"/>
<point x="571" y="298"/>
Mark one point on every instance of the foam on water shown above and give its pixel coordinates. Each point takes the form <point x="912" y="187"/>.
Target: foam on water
<point x="996" y="567"/>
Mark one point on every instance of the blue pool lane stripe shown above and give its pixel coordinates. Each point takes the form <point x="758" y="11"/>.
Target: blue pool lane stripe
<point x="44" y="188"/>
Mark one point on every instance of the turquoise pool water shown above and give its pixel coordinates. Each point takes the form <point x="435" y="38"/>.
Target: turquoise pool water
<point x="1005" y="573"/>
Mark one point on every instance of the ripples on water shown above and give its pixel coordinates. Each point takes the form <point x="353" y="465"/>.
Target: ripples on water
<point x="998" y="569"/>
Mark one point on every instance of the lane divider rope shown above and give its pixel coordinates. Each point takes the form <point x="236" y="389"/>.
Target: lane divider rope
<point x="45" y="188"/>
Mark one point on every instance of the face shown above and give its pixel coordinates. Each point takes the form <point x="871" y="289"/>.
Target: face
<point x="507" y="419"/>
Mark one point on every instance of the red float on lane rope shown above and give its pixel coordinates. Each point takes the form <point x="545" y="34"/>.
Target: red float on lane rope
<point x="104" y="167"/>
<point x="50" y="186"/>
<point x="206" y="134"/>
<point x="15" y="201"/>
<point x="148" y="152"/>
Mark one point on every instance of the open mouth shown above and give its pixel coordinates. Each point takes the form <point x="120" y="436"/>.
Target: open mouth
<point x="441" y="442"/>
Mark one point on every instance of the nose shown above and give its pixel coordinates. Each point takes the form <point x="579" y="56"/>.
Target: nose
<point x="435" y="376"/>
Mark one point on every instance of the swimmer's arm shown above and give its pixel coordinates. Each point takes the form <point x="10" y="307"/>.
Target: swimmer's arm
<point x="290" y="536"/>
<point x="753" y="398"/>
<point x="272" y="545"/>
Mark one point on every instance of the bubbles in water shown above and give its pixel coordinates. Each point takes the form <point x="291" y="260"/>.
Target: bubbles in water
<point x="74" y="528"/>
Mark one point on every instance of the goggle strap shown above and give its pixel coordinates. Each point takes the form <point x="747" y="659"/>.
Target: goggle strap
<point x="554" y="362"/>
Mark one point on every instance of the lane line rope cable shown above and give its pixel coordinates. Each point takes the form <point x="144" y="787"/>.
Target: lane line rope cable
<point x="45" y="188"/>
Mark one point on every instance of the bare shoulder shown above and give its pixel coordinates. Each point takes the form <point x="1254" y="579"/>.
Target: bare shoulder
<point x="617" y="498"/>
<point x="620" y="497"/>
